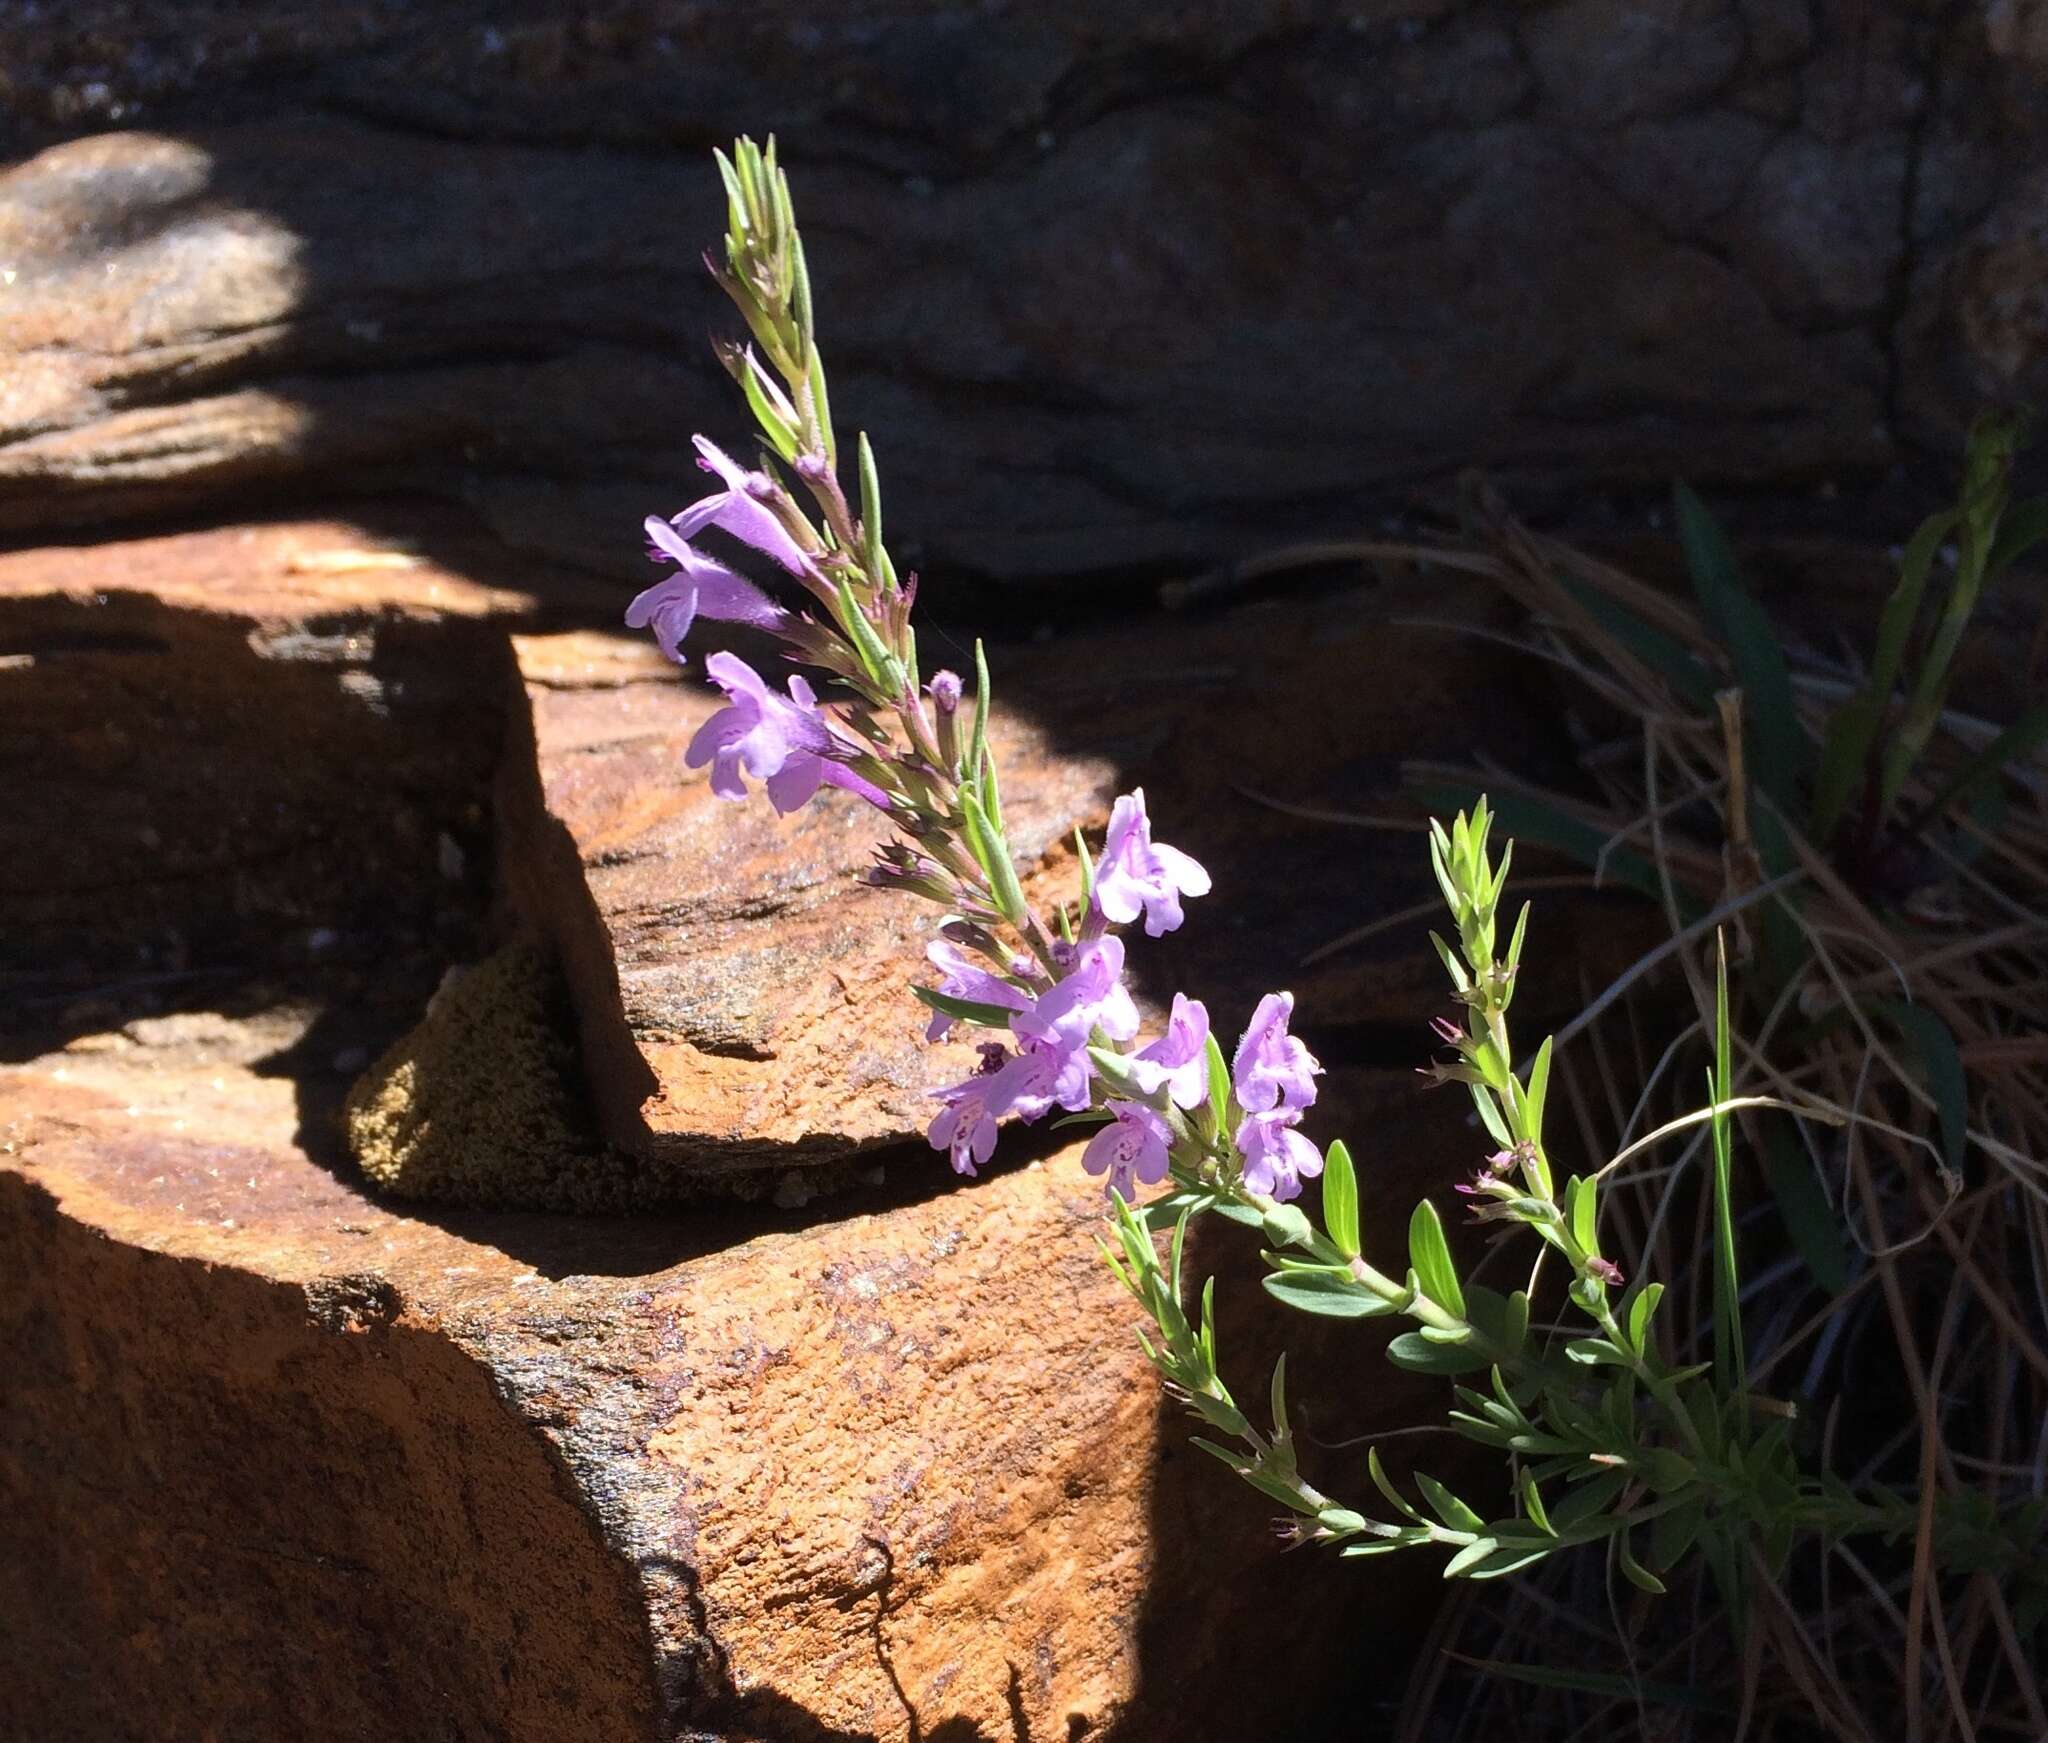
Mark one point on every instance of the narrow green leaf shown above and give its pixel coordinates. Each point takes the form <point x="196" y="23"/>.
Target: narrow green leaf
<point x="1218" y="1110"/>
<point x="1001" y="869"/>
<point x="966" y="1010"/>
<point x="984" y="695"/>
<point x="1491" y="1117"/>
<point x="1641" y="1310"/>
<point x="1430" y="1254"/>
<point x="1589" y="1498"/>
<point x="1582" y="1211"/>
<point x="1671" y="660"/>
<point x="1287" y="1226"/>
<point x="1115" y="1069"/>
<point x="1935" y="1046"/>
<point x="1813" y="1224"/>
<point x="1447" y="1506"/>
<point x="1536" y="1093"/>
<point x="1324" y="1293"/>
<point x="1340" y="1198"/>
<point x="1532" y="1506"/>
<point x="1237" y="1461"/>
<point x="1416" y="1353"/>
<point x="882" y="666"/>
<point x="1478" y="1550"/>
<point x="870" y="511"/>
<point x="1381" y="1482"/>
<point x="1165" y="1213"/>
<point x="1379" y="1546"/>
<point x="1274" y="1488"/>
<point x="2024" y="526"/>
<point x="1626" y="1690"/>
<point x="1847" y="750"/>
<point x="1532" y="820"/>
<point x="1509" y="1559"/>
<point x="1636" y="1574"/>
<point x="1516" y="1331"/>
<point x="1844" y="753"/>
<point x="2017" y="742"/>
<point x="1730" y="1358"/>
<point x="1673" y="1533"/>
<point x="1778" y="749"/>
<point x="781" y="433"/>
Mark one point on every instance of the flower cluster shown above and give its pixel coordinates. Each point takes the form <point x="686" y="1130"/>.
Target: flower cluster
<point x="1052" y="986"/>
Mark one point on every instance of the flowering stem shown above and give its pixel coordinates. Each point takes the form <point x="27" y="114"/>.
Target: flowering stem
<point x="1222" y="1133"/>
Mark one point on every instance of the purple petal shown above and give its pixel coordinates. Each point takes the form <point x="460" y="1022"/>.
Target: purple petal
<point x="732" y="599"/>
<point x="792" y="785"/>
<point x="717" y="735"/>
<point x="1183" y="871"/>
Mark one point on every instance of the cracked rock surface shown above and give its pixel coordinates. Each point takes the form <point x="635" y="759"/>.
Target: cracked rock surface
<point x="1111" y="285"/>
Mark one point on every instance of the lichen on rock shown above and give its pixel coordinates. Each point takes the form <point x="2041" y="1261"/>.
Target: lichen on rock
<point x="477" y="1104"/>
<point x="481" y="1103"/>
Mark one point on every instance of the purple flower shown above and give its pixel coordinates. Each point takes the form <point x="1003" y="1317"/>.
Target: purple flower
<point x="946" y="691"/>
<point x="1038" y="1077"/>
<point x="961" y="977"/>
<point x="782" y="742"/>
<point x="1090" y="996"/>
<point x="1139" y="873"/>
<point x="1131" y="1149"/>
<point x="741" y="509"/>
<point x="1605" y="1269"/>
<point x="1276" y="1157"/>
<point x="699" y="587"/>
<point x="966" y="1128"/>
<point x="1271" y="1068"/>
<point x="1179" y="1059"/>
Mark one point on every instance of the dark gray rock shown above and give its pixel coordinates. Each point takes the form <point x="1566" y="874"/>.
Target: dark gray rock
<point x="1112" y="285"/>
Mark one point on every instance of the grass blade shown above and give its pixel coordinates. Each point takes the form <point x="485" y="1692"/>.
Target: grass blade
<point x="1781" y="750"/>
<point x="1729" y="1363"/>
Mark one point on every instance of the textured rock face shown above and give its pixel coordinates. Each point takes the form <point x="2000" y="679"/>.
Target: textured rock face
<point x="740" y="1005"/>
<point x="1110" y="285"/>
<point x="288" y="1461"/>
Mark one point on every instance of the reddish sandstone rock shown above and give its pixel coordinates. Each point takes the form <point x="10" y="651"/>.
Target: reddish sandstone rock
<point x="740" y="1003"/>
<point x="289" y="1464"/>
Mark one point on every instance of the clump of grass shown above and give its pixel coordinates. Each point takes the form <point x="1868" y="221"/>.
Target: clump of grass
<point x="1877" y="859"/>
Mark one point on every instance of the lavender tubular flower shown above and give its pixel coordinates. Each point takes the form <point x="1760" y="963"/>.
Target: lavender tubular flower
<point x="966" y="1129"/>
<point x="1091" y="996"/>
<point x="700" y="586"/>
<point x="745" y="508"/>
<point x="783" y="743"/>
<point x="1271" y="1068"/>
<point x="1178" y="1061"/>
<point x="1138" y="874"/>
<point x="1131" y="1150"/>
<point x="1277" y="1158"/>
<point x="1040" y="1077"/>
<point x="961" y="977"/>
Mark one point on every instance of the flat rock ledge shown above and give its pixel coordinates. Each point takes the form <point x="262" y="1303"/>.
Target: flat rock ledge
<point x="289" y="1463"/>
